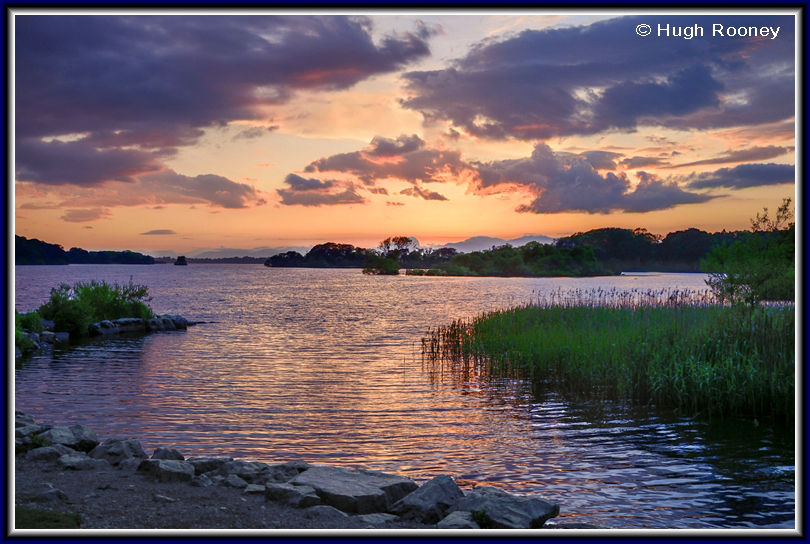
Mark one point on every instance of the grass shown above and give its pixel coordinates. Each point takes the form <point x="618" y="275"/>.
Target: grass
<point x="34" y="518"/>
<point x="665" y="348"/>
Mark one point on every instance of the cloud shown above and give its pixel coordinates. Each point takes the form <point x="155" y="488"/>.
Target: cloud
<point x="640" y="162"/>
<point x="139" y="87"/>
<point x="563" y="185"/>
<point x="255" y="132"/>
<point x="601" y="160"/>
<point x="169" y="186"/>
<point x="84" y="216"/>
<point x="743" y="176"/>
<point x="291" y="198"/>
<point x="743" y="155"/>
<point x="158" y="231"/>
<point x="297" y="183"/>
<point x="389" y="203"/>
<point x="427" y="195"/>
<point x="590" y="79"/>
<point x="405" y="158"/>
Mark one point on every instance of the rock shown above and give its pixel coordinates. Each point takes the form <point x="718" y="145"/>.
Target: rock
<point x="202" y="481"/>
<point x="17" y="353"/>
<point x="167" y="470"/>
<point x="48" y="337"/>
<point x="130" y="464"/>
<point x="103" y="328"/>
<point x="48" y="453"/>
<point x="323" y="511"/>
<point x="458" y="520"/>
<point x="31" y="430"/>
<point x="60" y="435"/>
<point x="154" y="324"/>
<point x="284" y="473"/>
<point x="130" y="324"/>
<point x="232" y="480"/>
<point x="250" y="471"/>
<point x="508" y="511"/>
<point x="115" y="450"/>
<point x="21" y="419"/>
<point x="163" y="499"/>
<point x="62" y="337"/>
<point x="179" y="321"/>
<point x="253" y="489"/>
<point x="80" y="461"/>
<point x="52" y="495"/>
<point x="207" y="464"/>
<point x="48" y="325"/>
<point x="86" y="438"/>
<point x="355" y="491"/>
<point x="429" y="503"/>
<point x="170" y="454"/>
<point x="378" y="519"/>
<point x="299" y="496"/>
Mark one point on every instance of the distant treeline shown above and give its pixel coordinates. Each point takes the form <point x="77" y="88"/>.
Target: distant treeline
<point x="219" y="260"/>
<point x="609" y="250"/>
<point x="33" y="251"/>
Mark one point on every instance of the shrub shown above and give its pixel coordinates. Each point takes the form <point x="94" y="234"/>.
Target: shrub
<point x="31" y="321"/>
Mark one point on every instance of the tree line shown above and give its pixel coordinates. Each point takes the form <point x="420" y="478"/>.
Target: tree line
<point x="37" y="252"/>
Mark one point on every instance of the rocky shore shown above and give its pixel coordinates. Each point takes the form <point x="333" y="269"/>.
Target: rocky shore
<point x="115" y="484"/>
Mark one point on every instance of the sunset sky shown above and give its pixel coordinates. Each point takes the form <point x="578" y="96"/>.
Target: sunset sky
<point x="157" y="132"/>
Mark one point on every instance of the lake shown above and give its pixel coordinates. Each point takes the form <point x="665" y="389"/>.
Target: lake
<point x="324" y="365"/>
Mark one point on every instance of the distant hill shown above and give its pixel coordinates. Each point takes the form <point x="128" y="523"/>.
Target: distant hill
<point x="229" y="252"/>
<point x="33" y="251"/>
<point x="482" y="243"/>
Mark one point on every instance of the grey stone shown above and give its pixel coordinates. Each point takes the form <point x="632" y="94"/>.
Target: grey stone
<point x="62" y="337"/>
<point x="52" y="494"/>
<point x="21" y="419"/>
<point x="154" y="324"/>
<point x="249" y="471"/>
<point x="299" y="496"/>
<point x="254" y="489"/>
<point x="48" y="453"/>
<point x="48" y="325"/>
<point x="167" y="470"/>
<point x="130" y="464"/>
<point x="207" y="464"/>
<point x="356" y="491"/>
<point x="458" y="520"/>
<point x="284" y="473"/>
<point x="163" y="499"/>
<point x="508" y="511"/>
<point x="170" y="454"/>
<point x="60" y="435"/>
<point x="103" y="328"/>
<point x="323" y="511"/>
<point x="232" y="480"/>
<point x="86" y="438"/>
<point x="202" y="481"/>
<point x="31" y="430"/>
<point x="115" y="450"/>
<point x="429" y="503"/>
<point x="378" y="519"/>
<point x="48" y="336"/>
<point x="130" y="324"/>
<point x="178" y="321"/>
<point x="80" y="461"/>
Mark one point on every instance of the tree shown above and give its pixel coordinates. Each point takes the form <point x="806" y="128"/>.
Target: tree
<point x="758" y="265"/>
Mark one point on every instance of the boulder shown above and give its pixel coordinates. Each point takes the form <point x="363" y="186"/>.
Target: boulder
<point x="299" y="496"/>
<point x="130" y="464"/>
<point x="103" y="328"/>
<point x="508" y="511"/>
<point x="253" y="489"/>
<point x="179" y="321"/>
<point x="170" y="454"/>
<point x="52" y="494"/>
<point x="21" y="419"/>
<point x="115" y="450"/>
<point x="458" y="520"/>
<point x="201" y="481"/>
<point x="130" y="324"/>
<point x="355" y="491"/>
<point x="429" y="503"/>
<point x="167" y="470"/>
<point x="232" y="480"/>
<point x="250" y="471"/>
<point x="325" y="512"/>
<point x="48" y="453"/>
<point x="48" y="325"/>
<point x="62" y="337"/>
<point x="31" y="430"/>
<point x="86" y="438"/>
<point x="203" y="465"/>
<point x="80" y="461"/>
<point x="283" y="473"/>
<point x="378" y="519"/>
<point x="48" y="336"/>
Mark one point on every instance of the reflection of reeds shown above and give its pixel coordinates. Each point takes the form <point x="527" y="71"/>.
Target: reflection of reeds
<point x="670" y="348"/>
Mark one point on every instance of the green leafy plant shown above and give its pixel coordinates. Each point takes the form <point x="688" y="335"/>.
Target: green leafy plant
<point x="482" y="519"/>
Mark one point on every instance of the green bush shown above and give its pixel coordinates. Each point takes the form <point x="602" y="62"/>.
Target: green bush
<point x="74" y="309"/>
<point x="31" y="321"/>
<point x="376" y="264"/>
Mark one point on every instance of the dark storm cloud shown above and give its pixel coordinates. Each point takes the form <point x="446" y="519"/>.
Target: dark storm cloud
<point x="583" y="80"/>
<point x="409" y="161"/>
<point x="565" y="185"/>
<point x="152" y="83"/>
<point x="601" y="160"/>
<point x="743" y="155"/>
<point x="743" y="176"/>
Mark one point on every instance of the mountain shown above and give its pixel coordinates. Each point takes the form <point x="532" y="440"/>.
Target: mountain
<point x="482" y="243"/>
<point x="225" y="252"/>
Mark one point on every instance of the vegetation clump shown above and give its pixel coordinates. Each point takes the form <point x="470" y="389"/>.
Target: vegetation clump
<point x="34" y="518"/>
<point x="670" y="349"/>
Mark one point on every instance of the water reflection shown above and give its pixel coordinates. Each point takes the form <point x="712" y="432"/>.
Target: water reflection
<point x="324" y="366"/>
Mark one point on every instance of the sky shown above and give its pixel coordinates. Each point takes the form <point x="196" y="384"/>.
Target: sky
<point x="170" y="131"/>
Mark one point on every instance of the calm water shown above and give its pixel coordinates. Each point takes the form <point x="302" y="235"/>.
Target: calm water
<point x="323" y="365"/>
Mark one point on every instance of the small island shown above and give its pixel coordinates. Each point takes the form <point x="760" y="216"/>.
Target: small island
<point x="181" y="261"/>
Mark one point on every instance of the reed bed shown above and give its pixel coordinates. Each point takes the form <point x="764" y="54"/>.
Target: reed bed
<point x="670" y="348"/>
